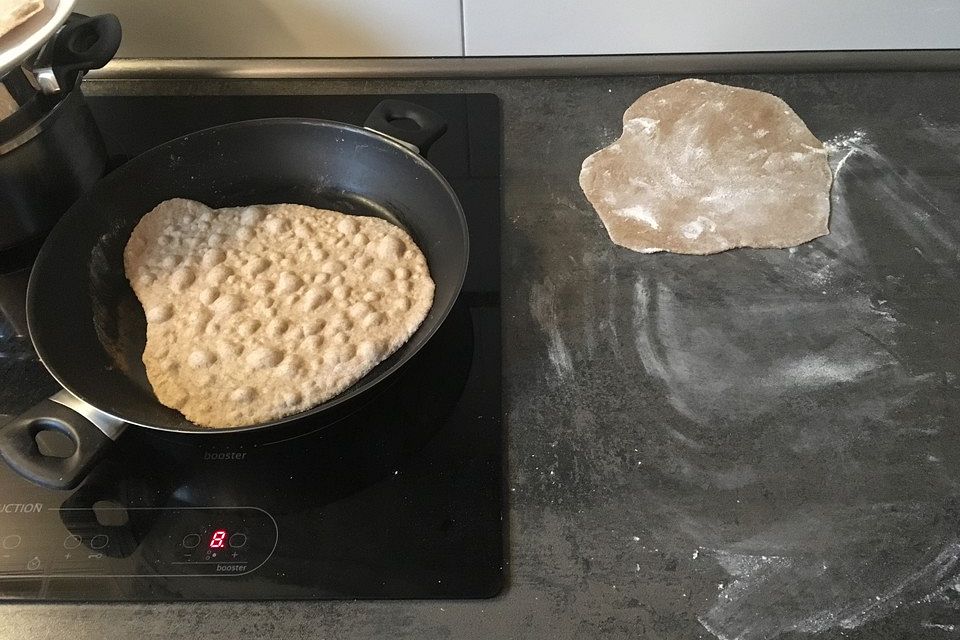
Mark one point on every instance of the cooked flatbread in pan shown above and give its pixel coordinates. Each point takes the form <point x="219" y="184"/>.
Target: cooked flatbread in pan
<point x="254" y="313"/>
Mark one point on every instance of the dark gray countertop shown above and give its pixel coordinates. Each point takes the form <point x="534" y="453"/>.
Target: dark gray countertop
<point x="751" y="445"/>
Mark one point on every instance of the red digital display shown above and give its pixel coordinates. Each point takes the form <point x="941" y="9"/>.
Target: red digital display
<point x="218" y="539"/>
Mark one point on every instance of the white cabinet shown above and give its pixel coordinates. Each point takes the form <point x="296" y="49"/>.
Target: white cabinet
<point x="284" y="28"/>
<point x="554" y="27"/>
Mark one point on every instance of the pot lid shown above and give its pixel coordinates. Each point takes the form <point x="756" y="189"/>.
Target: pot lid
<point x="25" y="39"/>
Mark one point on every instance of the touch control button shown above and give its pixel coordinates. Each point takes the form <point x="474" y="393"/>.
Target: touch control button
<point x="191" y="540"/>
<point x="12" y="541"/>
<point x="237" y="540"/>
<point x="71" y="542"/>
<point x="33" y="564"/>
<point x="99" y="541"/>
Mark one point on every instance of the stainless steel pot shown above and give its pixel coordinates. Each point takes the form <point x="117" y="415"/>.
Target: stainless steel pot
<point x="50" y="147"/>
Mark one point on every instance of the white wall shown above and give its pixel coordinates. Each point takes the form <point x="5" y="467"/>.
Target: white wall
<point x="361" y="28"/>
<point x="284" y="28"/>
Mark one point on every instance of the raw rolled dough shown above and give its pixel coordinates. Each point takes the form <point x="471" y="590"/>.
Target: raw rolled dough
<point x="15" y="12"/>
<point x="703" y="167"/>
<point x="254" y="313"/>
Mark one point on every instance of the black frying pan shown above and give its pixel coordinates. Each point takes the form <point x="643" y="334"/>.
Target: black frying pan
<point x="87" y="325"/>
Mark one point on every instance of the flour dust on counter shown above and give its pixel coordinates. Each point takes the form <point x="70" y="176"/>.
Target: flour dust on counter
<point x="772" y="432"/>
<point x="542" y="306"/>
<point x="838" y="363"/>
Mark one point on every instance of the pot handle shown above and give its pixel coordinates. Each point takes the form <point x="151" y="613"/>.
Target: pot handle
<point x="80" y="45"/>
<point x="409" y="123"/>
<point x="70" y="423"/>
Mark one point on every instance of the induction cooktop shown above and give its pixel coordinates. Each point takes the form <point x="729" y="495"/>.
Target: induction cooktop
<point x="402" y="498"/>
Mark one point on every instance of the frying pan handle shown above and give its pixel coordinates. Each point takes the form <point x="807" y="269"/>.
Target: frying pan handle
<point x="37" y="443"/>
<point x="80" y="45"/>
<point x="407" y="122"/>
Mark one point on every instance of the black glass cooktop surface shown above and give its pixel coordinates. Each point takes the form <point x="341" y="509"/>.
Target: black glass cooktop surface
<point x="402" y="498"/>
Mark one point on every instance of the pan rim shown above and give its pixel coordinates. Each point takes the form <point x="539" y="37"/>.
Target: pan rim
<point x="351" y="393"/>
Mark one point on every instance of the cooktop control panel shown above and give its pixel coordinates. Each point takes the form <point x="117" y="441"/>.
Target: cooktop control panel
<point x="108" y="539"/>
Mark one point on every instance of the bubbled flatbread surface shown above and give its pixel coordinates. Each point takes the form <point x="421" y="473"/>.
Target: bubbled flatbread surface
<point x="258" y="312"/>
